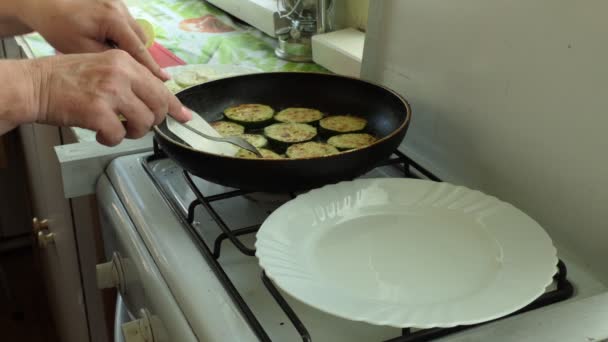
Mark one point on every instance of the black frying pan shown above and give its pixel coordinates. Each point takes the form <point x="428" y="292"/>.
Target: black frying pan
<point x="387" y="113"/>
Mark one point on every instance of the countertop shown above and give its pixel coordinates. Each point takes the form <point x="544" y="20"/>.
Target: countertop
<point x="196" y="32"/>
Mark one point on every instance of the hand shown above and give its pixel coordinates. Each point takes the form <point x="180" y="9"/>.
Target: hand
<point x="79" y="26"/>
<point x="91" y="90"/>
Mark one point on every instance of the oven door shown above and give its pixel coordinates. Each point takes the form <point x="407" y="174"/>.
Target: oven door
<point x="145" y="303"/>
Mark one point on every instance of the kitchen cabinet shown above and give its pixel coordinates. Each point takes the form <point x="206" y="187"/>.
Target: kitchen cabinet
<point x="56" y="250"/>
<point x="14" y="208"/>
<point x="66" y="244"/>
<point x="14" y="226"/>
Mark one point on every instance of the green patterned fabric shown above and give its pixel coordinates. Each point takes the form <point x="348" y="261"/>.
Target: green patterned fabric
<point x="212" y="38"/>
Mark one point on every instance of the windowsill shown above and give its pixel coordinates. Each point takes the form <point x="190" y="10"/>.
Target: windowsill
<point x="340" y="51"/>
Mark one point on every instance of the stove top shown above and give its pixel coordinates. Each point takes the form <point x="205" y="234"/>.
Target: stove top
<point x="223" y="221"/>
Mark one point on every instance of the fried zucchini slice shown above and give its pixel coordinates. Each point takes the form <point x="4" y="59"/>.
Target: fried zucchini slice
<point x="173" y="87"/>
<point x="299" y="115"/>
<point x="310" y="149"/>
<point x="266" y="154"/>
<point x="337" y="124"/>
<point x="250" y="115"/>
<point x="227" y="128"/>
<point x="189" y="78"/>
<point x="350" y="141"/>
<point x="281" y="135"/>
<point x="256" y="140"/>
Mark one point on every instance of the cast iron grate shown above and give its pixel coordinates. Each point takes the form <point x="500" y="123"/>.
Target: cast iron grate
<point x="563" y="288"/>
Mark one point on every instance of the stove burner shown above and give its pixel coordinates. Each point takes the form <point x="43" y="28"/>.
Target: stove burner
<point x="563" y="288"/>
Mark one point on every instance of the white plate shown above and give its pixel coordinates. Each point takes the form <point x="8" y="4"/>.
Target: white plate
<point x="406" y="253"/>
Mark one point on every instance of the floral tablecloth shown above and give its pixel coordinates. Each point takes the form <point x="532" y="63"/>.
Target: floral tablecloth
<point x="200" y="33"/>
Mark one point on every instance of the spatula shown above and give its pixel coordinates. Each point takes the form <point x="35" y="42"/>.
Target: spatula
<point x="236" y="141"/>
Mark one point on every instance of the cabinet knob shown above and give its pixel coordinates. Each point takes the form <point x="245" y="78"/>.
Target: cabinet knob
<point x="38" y="225"/>
<point x="45" y="239"/>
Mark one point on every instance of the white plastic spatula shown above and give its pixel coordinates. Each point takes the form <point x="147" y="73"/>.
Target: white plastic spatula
<point x="198" y="142"/>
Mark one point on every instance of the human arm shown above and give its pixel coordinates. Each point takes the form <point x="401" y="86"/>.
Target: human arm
<point x="15" y="96"/>
<point x="11" y="26"/>
<point x="88" y="91"/>
<point x="78" y="26"/>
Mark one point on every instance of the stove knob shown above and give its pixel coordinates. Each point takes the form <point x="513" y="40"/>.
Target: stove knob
<point x="111" y="274"/>
<point x="146" y="329"/>
<point x="136" y="331"/>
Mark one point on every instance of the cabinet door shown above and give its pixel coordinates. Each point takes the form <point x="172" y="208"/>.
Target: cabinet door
<point x="59" y="258"/>
<point x="14" y="203"/>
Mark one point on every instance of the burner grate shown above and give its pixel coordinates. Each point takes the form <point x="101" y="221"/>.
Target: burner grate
<point x="410" y="169"/>
<point x="563" y="291"/>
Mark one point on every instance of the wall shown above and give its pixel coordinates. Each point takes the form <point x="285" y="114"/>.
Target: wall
<point x="352" y="13"/>
<point x="508" y="97"/>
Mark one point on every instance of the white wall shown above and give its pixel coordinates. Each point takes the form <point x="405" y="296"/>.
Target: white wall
<point x="352" y="13"/>
<point x="509" y="97"/>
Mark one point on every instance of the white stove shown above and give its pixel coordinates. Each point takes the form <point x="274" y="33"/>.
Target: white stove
<point x="180" y="283"/>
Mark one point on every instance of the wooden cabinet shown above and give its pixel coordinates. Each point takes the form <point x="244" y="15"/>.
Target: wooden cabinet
<point x="14" y="206"/>
<point x="57" y="249"/>
<point x="14" y="203"/>
<point x="68" y="245"/>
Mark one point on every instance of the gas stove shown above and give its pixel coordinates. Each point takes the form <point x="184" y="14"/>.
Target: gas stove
<point x="200" y="236"/>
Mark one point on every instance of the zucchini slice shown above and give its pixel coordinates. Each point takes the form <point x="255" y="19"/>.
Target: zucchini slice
<point x="227" y="128"/>
<point x="250" y="115"/>
<point x="173" y="87"/>
<point x="189" y="78"/>
<point x="351" y="140"/>
<point x="310" y="149"/>
<point x="337" y="124"/>
<point x="281" y="135"/>
<point x="256" y="140"/>
<point x="299" y="115"/>
<point x="266" y="154"/>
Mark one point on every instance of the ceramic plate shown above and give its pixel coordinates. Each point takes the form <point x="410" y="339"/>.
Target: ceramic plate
<point x="406" y="253"/>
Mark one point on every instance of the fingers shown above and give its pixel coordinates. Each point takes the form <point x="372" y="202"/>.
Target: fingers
<point x="91" y="45"/>
<point x="126" y="39"/>
<point x="158" y="98"/>
<point x="110" y="131"/>
<point x="108" y="139"/>
<point x="185" y="116"/>
<point x="131" y="90"/>
<point x="137" y="29"/>
<point x="139" y="117"/>
<point x="132" y="23"/>
<point x="177" y="110"/>
<point x="100" y="117"/>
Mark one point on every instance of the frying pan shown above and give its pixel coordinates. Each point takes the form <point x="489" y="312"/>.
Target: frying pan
<point x="388" y="116"/>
